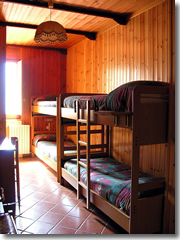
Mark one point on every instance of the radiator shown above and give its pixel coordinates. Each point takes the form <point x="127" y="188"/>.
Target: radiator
<point x="23" y="133"/>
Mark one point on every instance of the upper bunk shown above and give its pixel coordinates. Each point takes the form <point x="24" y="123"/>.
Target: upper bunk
<point x="140" y="106"/>
<point x="45" y="104"/>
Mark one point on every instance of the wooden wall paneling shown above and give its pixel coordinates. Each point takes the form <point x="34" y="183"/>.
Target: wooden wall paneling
<point x="131" y="51"/>
<point x="26" y="87"/>
<point x="146" y="44"/>
<point x="73" y="75"/>
<point x="159" y="43"/>
<point x="105" y="85"/>
<point x="105" y="62"/>
<point x="155" y="33"/>
<point x="41" y="70"/>
<point x="63" y="73"/>
<point x="46" y="66"/>
<point x="164" y="41"/>
<point x="157" y="162"/>
<point x="49" y="70"/>
<point x="113" y="80"/>
<point x="119" y="54"/>
<point x="150" y="45"/>
<point x="98" y="81"/>
<point x="50" y="74"/>
<point x="127" y="69"/>
<point x="2" y="81"/>
<point x="108" y="61"/>
<point x="84" y="68"/>
<point x="109" y="50"/>
<point x="60" y="75"/>
<point x="153" y="160"/>
<point x="149" y="157"/>
<point x="103" y="74"/>
<point x="91" y="66"/>
<point x="75" y="70"/>
<point x="138" y="76"/>
<point x="141" y="50"/>
<point x="99" y="59"/>
<point x="13" y="53"/>
<point x="115" y="57"/>
<point x="134" y="48"/>
<point x="40" y="75"/>
<point x="93" y="78"/>
<point x="69" y="69"/>
<point x="95" y="67"/>
<point x="86" y="72"/>
<point x="78" y="71"/>
<point x="124" y="50"/>
<point x="138" y="46"/>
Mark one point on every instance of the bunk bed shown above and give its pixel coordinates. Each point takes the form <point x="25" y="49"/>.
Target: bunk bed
<point x="141" y="107"/>
<point x="45" y="143"/>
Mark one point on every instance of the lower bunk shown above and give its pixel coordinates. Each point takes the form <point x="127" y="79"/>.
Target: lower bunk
<point x="110" y="191"/>
<point x="44" y="146"/>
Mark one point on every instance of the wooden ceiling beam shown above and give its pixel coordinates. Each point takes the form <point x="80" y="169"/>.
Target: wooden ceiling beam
<point x="89" y="35"/>
<point x="121" y="18"/>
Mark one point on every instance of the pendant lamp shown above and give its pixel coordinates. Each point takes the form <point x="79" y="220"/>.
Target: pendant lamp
<point x="50" y="32"/>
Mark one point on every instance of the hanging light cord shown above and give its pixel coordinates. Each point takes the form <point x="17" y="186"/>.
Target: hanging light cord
<point x="50" y="6"/>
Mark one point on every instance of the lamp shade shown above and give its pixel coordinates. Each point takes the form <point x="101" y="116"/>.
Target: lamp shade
<point x="50" y="32"/>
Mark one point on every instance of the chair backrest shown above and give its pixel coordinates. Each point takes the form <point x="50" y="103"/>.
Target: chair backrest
<point x="14" y="141"/>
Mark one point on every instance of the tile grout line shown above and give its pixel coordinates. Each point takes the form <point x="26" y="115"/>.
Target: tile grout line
<point x="65" y="216"/>
<point x="20" y="215"/>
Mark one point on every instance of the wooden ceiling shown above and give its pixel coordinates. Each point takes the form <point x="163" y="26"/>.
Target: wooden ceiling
<point x="22" y="17"/>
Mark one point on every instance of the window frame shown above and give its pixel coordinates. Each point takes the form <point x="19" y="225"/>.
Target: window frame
<point x="15" y="116"/>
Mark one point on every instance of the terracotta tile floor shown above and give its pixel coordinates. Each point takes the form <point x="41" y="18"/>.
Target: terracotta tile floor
<point x="46" y="207"/>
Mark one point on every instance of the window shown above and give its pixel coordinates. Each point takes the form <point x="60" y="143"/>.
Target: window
<point x="13" y="89"/>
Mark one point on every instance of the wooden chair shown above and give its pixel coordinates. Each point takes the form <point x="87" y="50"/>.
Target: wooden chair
<point x="14" y="141"/>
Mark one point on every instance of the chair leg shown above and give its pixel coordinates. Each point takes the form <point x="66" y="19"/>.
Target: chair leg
<point x="17" y="172"/>
<point x="18" y="183"/>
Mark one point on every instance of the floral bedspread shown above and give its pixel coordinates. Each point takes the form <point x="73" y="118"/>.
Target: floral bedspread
<point x="47" y="144"/>
<point x="111" y="180"/>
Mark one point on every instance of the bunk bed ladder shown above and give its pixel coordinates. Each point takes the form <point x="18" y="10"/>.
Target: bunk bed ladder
<point x="86" y="121"/>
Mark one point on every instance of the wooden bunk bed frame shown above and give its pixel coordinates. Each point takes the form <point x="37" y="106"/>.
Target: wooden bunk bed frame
<point x="44" y="111"/>
<point x="148" y="122"/>
<point x="39" y="111"/>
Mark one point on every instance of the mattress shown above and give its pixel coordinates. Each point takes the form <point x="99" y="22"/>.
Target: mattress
<point x="111" y="180"/>
<point x="47" y="145"/>
<point x="45" y="101"/>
